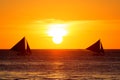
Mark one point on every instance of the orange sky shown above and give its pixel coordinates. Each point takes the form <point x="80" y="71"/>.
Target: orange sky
<point x="88" y="20"/>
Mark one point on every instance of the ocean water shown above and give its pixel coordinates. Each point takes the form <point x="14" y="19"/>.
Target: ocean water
<point x="60" y="65"/>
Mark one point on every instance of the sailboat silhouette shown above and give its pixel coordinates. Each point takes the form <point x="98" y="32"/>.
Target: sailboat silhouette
<point x="22" y="47"/>
<point x="97" y="47"/>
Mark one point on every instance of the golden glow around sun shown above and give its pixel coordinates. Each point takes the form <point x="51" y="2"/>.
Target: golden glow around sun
<point x="57" y="31"/>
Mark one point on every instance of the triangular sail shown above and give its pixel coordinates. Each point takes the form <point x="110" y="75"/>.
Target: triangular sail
<point x="102" y="50"/>
<point x="97" y="47"/>
<point x="22" y="47"/>
<point x="28" y="49"/>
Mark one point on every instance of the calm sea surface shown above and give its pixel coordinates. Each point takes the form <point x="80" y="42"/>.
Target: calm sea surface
<point x="60" y="65"/>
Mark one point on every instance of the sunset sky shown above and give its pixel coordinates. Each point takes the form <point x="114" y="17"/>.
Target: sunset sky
<point x="85" y="21"/>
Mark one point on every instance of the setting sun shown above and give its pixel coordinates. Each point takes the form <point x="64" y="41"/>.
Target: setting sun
<point x="57" y="31"/>
<point x="57" y="40"/>
<point x="60" y="24"/>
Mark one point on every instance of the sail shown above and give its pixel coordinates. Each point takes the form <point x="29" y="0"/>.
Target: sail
<point x="22" y="47"/>
<point x="102" y="50"/>
<point x="97" y="47"/>
<point x="28" y="49"/>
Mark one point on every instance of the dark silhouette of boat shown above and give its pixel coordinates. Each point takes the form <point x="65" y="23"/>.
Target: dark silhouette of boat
<point x="22" y="47"/>
<point x="97" y="48"/>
